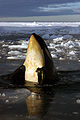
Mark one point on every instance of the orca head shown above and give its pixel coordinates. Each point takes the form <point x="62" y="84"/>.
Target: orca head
<point x="35" y="60"/>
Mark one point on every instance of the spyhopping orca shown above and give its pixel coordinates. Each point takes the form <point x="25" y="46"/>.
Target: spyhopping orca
<point x="38" y="67"/>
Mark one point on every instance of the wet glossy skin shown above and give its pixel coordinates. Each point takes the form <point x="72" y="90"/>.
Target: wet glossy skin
<point x="34" y="60"/>
<point x="39" y="66"/>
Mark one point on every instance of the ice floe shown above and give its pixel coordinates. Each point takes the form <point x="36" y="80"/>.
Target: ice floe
<point x="54" y="56"/>
<point x="14" y="53"/>
<point x="72" y="53"/>
<point x="18" y="46"/>
<point x="36" y="24"/>
<point x="62" y="38"/>
<point x="17" y="57"/>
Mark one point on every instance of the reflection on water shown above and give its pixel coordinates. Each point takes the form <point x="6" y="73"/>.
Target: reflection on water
<point x="38" y="103"/>
<point x="34" y="104"/>
<point x="47" y="103"/>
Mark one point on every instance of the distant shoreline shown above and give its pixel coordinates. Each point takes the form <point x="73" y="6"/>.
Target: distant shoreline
<point x="61" y="18"/>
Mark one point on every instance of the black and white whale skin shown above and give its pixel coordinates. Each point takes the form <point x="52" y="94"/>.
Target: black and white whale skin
<point x="38" y="67"/>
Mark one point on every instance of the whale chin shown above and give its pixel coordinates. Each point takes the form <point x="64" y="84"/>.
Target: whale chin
<point x="38" y="67"/>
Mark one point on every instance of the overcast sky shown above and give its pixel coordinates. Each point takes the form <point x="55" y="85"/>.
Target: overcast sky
<point x="26" y="8"/>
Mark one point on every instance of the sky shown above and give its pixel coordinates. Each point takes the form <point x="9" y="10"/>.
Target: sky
<point x="27" y="8"/>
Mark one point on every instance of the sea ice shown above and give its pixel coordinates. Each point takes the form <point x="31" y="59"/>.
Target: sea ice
<point x="3" y="95"/>
<point x="61" y="58"/>
<point x="54" y="56"/>
<point x="18" y="46"/>
<point x="58" y="39"/>
<point x="62" y="38"/>
<point x="78" y="101"/>
<point x="72" y="53"/>
<point x="14" y="52"/>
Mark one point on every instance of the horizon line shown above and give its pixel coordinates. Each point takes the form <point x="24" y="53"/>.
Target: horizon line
<point x="58" y="18"/>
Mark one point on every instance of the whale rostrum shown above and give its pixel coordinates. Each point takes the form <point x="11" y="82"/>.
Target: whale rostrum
<point x="38" y="66"/>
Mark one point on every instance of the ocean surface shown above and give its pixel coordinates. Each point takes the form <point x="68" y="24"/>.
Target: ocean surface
<point x="61" y="102"/>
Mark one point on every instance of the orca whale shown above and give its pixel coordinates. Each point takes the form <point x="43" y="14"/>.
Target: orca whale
<point x="38" y="67"/>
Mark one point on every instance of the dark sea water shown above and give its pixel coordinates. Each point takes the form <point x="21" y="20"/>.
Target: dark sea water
<point x="59" y="102"/>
